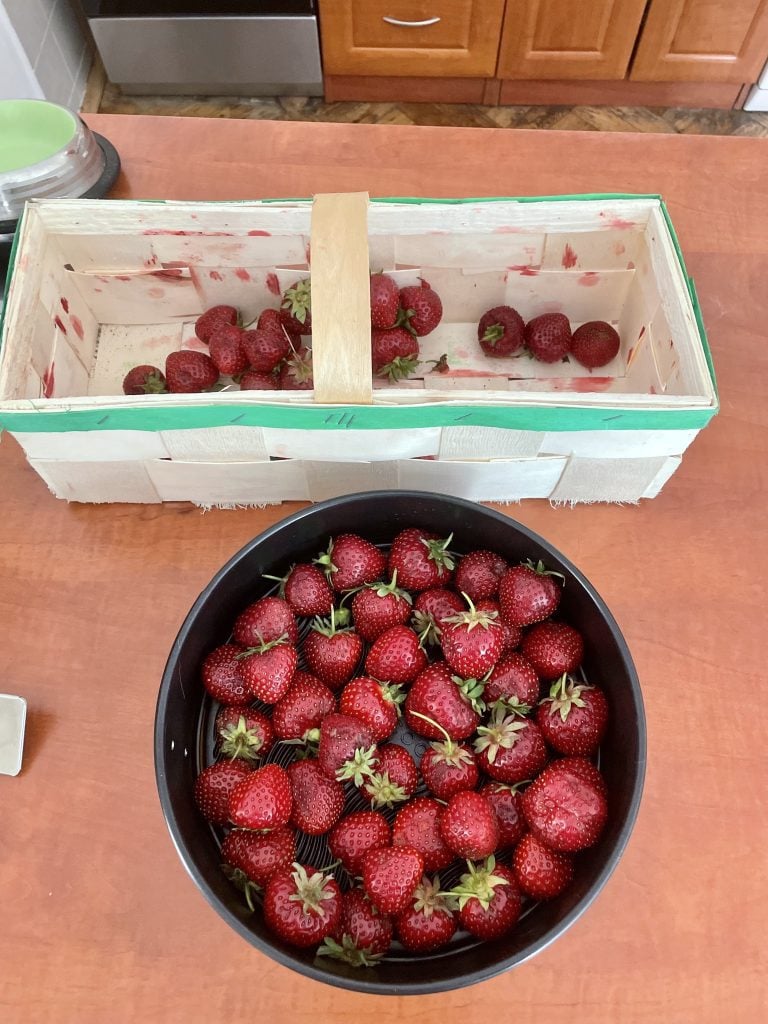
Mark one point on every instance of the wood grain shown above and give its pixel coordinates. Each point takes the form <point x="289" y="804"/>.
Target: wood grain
<point x="101" y="922"/>
<point x="404" y="88"/>
<point x="623" y="93"/>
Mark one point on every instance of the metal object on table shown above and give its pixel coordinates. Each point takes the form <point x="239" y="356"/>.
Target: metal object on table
<point x="13" y="717"/>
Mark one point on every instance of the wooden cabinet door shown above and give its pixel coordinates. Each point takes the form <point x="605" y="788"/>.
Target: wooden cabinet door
<point x="703" y="40"/>
<point x="564" y="39"/>
<point x="411" y="37"/>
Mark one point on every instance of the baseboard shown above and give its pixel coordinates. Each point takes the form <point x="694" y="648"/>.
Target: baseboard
<point x="375" y="89"/>
<point x="623" y="93"/>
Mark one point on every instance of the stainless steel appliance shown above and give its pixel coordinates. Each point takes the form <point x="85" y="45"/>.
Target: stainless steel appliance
<point x="233" y="47"/>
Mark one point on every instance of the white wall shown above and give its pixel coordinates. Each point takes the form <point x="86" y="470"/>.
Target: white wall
<point x="17" y="79"/>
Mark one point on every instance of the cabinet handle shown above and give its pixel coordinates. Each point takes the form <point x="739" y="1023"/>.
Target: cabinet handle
<point x="411" y="24"/>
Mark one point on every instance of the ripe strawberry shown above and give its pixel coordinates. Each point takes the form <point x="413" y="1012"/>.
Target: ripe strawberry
<point x="264" y="350"/>
<point x="420" y="559"/>
<point x="144" y="380"/>
<point x="253" y="381"/>
<point x="302" y="905"/>
<point x="541" y="873"/>
<point x="214" y="787"/>
<point x="447" y="700"/>
<point x="548" y="337"/>
<point x="243" y="732"/>
<point x="270" y="320"/>
<point x="268" y="669"/>
<point x="394" y="779"/>
<point x="565" y="810"/>
<point x="489" y="899"/>
<point x="510" y="749"/>
<point x="447" y="767"/>
<point x="374" y="703"/>
<point x="259" y="854"/>
<point x="296" y="373"/>
<point x="265" y="620"/>
<point x="351" y="562"/>
<point x="501" y="332"/>
<point x="317" y="800"/>
<point x="364" y="934"/>
<point x="212" y="318"/>
<point x="355" y="835"/>
<point x="306" y="590"/>
<point x="429" y="922"/>
<point x="390" y="877"/>
<point x="385" y="301"/>
<point x="514" y="682"/>
<point x="394" y="353"/>
<point x="505" y="801"/>
<point x="378" y="607"/>
<point x="529" y="593"/>
<point x="331" y="653"/>
<point x="417" y="826"/>
<point x="222" y="676"/>
<point x="573" y="718"/>
<point x="227" y="351"/>
<point x="422" y="308"/>
<point x="472" y="642"/>
<point x="187" y="372"/>
<point x="468" y="825"/>
<point x="297" y="306"/>
<point x="510" y="635"/>
<point x="478" y="574"/>
<point x="583" y="768"/>
<point x="262" y="800"/>
<point x="431" y="610"/>
<point x="595" y="344"/>
<point x="552" y="648"/>
<point x="346" y="748"/>
<point x="302" y="708"/>
<point x="396" y="656"/>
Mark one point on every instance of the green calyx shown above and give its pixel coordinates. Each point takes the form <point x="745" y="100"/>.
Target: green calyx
<point x="438" y="552"/>
<point x="348" y="952"/>
<point x="154" y="384"/>
<point x="382" y="589"/>
<point x="472" y="691"/>
<point x="399" y="368"/>
<point x="493" y="334"/>
<point x="428" y="630"/>
<point x="298" y="300"/>
<point x="427" y="897"/>
<point x="513" y="705"/>
<point x="325" y="561"/>
<point x="447" y="750"/>
<point x="473" y="618"/>
<point x="502" y="733"/>
<point x="311" y="890"/>
<point x="478" y="883"/>
<point x="282" y="580"/>
<point x="541" y="570"/>
<point x="393" y="694"/>
<point x="242" y="882"/>
<point x="300" y="364"/>
<point x="237" y="740"/>
<point x="329" y="627"/>
<point x="565" y="695"/>
<point x="440" y="365"/>
<point x="382" y="792"/>
<point x="263" y="646"/>
<point x="404" y="320"/>
<point x="359" y="767"/>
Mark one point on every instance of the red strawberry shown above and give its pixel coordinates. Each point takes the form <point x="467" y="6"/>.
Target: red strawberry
<point x="385" y="301"/>
<point x="302" y="708"/>
<point x="548" y="337"/>
<point x="302" y="905"/>
<point x="296" y="373"/>
<point x="317" y="800"/>
<point x="265" y="620"/>
<point x="306" y="590"/>
<point x="541" y="873"/>
<point x="259" y="854"/>
<point x="365" y="935"/>
<point x="514" y="682"/>
<point x="552" y="648"/>
<point x="351" y="561"/>
<point x="420" y="559"/>
<point x="573" y="718"/>
<point x="187" y="372"/>
<point x="449" y="701"/>
<point x="243" y="732"/>
<point x="583" y="768"/>
<point x="489" y="900"/>
<point x="422" y="308"/>
<point x="262" y="800"/>
<point x="510" y="749"/>
<point x="432" y="608"/>
<point x="472" y="642"/>
<point x="501" y="332"/>
<point x="417" y="826"/>
<point x="478" y="574"/>
<point x="595" y="344"/>
<point x="271" y="320"/>
<point x="394" y="778"/>
<point x="528" y="593"/>
<point x="268" y="669"/>
<point x="297" y="306"/>
<point x="428" y="923"/>
<point x="222" y="676"/>
<point x="331" y="653"/>
<point x="390" y="877"/>
<point x="510" y="635"/>
<point x="374" y="703"/>
<point x="253" y="381"/>
<point x="394" y="353"/>
<point x="144" y="380"/>
<point x="346" y="748"/>
<point x="214" y="787"/>
<point x="396" y="656"/>
<point x="212" y="318"/>
<point x="378" y="607"/>
<point x="355" y="835"/>
<point x="565" y="810"/>
<point x="264" y="350"/>
<point x="468" y="825"/>
<point x="505" y="801"/>
<point x="227" y="350"/>
<point x="448" y="768"/>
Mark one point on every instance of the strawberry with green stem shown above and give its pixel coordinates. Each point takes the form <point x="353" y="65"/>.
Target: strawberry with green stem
<point x="332" y="653"/>
<point x="510" y="635"/>
<point x="251" y="858"/>
<point x="501" y="331"/>
<point x="421" y="308"/>
<point x="262" y="800"/>
<point x="296" y="372"/>
<point x="478" y="574"/>
<point x="396" y="656"/>
<point x="489" y="899"/>
<point x="452" y="703"/>
<point x="243" y="733"/>
<point x="394" y="778"/>
<point x="355" y="834"/>
<point x="529" y="593"/>
<point x="421" y="559"/>
<point x="212" y="318"/>
<point x="574" y="717"/>
<point x="390" y="876"/>
<point x="302" y="707"/>
<point x="429" y="922"/>
<point x="447" y="767"/>
<point x="468" y="825"/>
<point x="265" y="620"/>
<point x="565" y="810"/>
<point x="432" y="609"/>
<point x="377" y="704"/>
<point x="305" y="589"/>
<point x="394" y="353"/>
<point x="505" y="801"/>
<point x="514" y="683"/>
<point x="297" y="306"/>
<point x="268" y="668"/>
<point x="222" y="676"/>
<point x="363" y="934"/>
<point x="144" y="380"/>
<point x="472" y="641"/>
<point x="417" y="826"/>
<point x="378" y="606"/>
<point x="189" y="372"/>
<point x="346" y="749"/>
<point x="510" y="748"/>
<point x="302" y="905"/>
<point x="351" y="561"/>
<point x="553" y="648"/>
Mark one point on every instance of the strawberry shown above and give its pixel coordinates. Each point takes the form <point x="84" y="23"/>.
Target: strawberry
<point x="573" y="718"/>
<point x="566" y="811"/>
<point x="390" y="877"/>
<point x="468" y="825"/>
<point x="268" y="669"/>
<point x="243" y="732"/>
<point x="259" y="854"/>
<point x="548" y="337"/>
<point x="355" y="835"/>
<point x="226" y="349"/>
<point x="501" y="331"/>
<point x="212" y="318"/>
<point x="583" y="768"/>
<point x="351" y="561"/>
<point x="422" y="309"/>
<point x="505" y="801"/>
<point x="297" y="306"/>
<point x="296" y="373"/>
<point x="489" y="899"/>
<point x="374" y="703"/>
<point x="331" y="653"/>
<point x="510" y="635"/>
<point x="429" y="922"/>
<point x="222" y="676"/>
<point x="302" y="707"/>
<point x="541" y="873"/>
<point x="528" y="593"/>
<point x="595" y="344"/>
<point x="552" y="648"/>
<point x="214" y="787"/>
<point x="447" y="700"/>
<point x="420" y="559"/>
<point x="265" y="620"/>
<point x="187" y="372"/>
<point x="472" y="642"/>
<point x="144" y="380"/>
<point x="448" y="767"/>
<point x="513" y="681"/>
<point x="394" y="353"/>
<point x="317" y="800"/>
<point x="302" y="905"/>
<point x="478" y="574"/>
<point x="385" y="301"/>
<point x="431" y="610"/>
<point x="394" y="779"/>
<point x="306" y="590"/>
<point x="396" y="656"/>
<point x="378" y="607"/>
<point x="272" y="321"/>
<point x="346" y="748"/>
<point x="417" y="826"/>
<point x="262" y="800"/>
<point x="365" y="934"/>
<point x="264" y="350"/>
<point x="510" y="749"/>
<point x="253" y="381"/>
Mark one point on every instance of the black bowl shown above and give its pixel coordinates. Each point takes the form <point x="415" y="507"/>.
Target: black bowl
<point x="184" y="713"/>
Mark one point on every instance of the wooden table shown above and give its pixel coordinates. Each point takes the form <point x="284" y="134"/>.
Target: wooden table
<point x="99" y="920"/>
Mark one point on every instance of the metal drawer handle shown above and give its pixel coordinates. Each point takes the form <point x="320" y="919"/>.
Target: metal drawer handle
<point x="411" y="24"/>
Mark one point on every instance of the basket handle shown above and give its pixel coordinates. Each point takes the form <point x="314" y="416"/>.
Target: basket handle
<point x="341" y="299"/>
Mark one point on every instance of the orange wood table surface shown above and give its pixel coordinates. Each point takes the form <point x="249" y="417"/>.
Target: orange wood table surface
<point x="99" y="920"/>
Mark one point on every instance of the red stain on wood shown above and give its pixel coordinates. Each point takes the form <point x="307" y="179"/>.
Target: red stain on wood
<point x="215" y="275"/>
<point x="60" y="324"/>
<point x="98" y="289"/>
<point x="48" y="382"/>
<point x="589" y="279"/>
<point x="569" y="257"/>
<point x="619" y="248"/>
<point x="629" y="354"/>
<point x="188" y="234"/>
<point x="620" y="224"/>
<point x="260" y="234"/>
<point x="651" y="390"/>
<point x="77" y="327"/>
<point x="525" y="269"/>
<point x="507" y="229"/>
<point x="122" y="277"/>
<point x="586" y="384"/>
<point x="242" y="274"/>
<point x="642" y="332"/>
<point x="630" y="265"/>
<point x="273" y="284"/>
<point x="671" y="343"/>
<point x="64" y="305"/>
<point x="156" y="293"/>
